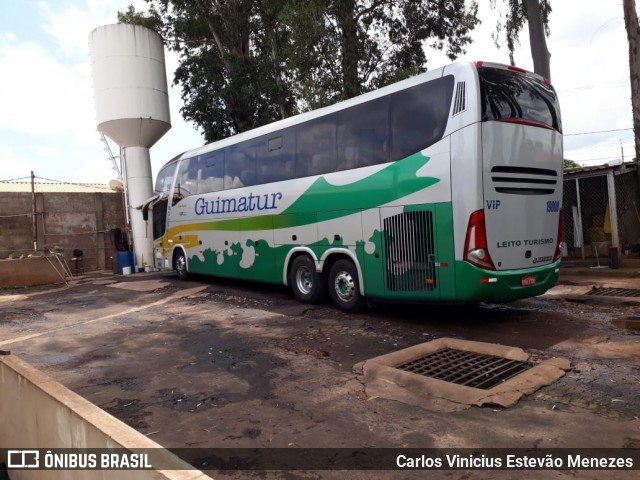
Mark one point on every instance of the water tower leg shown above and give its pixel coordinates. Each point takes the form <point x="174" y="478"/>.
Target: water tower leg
<point x="139" y="188"/>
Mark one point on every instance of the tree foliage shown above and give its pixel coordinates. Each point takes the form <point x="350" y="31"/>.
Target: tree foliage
<point x="362" y="45"/>
<point x="534" y="13"/>
<point x="566" y="163"/>
<point x="245" y="63"/>
<point x="229" y="62"/>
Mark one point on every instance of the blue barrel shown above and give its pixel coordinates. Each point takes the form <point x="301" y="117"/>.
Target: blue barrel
<point x="125" y="259"/>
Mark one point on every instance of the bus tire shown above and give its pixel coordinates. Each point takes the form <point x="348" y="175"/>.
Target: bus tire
<point x="180" y="265"/>
<point x="344" y="287"/>
<point x="306" y="284"/>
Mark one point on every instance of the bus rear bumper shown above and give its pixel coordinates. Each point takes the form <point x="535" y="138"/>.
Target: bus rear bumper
<point x="477" y="285"/>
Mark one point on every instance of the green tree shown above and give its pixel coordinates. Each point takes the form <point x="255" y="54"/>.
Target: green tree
<point x="230" y="67"/>
<point x="566" y="163"/>
<point x="535" y="13"/>
<point x="361" y="45"/>
<point x="245" y="63"/>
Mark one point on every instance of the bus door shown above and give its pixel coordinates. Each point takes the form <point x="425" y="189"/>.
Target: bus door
<point x="409" y="252"/>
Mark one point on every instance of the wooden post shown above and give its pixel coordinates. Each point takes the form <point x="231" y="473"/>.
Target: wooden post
<point x="34" y="221"/>
<point x="613" y="209"/>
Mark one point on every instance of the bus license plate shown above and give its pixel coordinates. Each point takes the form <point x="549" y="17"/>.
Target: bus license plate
<point x="528" y="280"/>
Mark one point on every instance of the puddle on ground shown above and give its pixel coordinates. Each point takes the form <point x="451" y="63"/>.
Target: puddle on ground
<point x="129" y="384"/>
<point x="627" y="323"/>
<point x="46" y="359"/>
<point x="139" y="285"/>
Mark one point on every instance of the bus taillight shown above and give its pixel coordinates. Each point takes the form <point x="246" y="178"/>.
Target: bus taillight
<point x="559" y="240"/>
<point x="475" y="244"/>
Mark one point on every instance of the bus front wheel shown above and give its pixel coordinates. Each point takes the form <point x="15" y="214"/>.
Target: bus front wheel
<point x="305" y="281"/>
<point x="344" y="287"/>
<point x="180" y="266"/>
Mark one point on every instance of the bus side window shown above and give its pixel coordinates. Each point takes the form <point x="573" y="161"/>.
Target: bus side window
<point x="276" y="155"/>
<point x="240" y="165"/>
<point x="419" y="115"/>
<point x="316" y="142"/>
<point x="363" y="134"/>
<point x="211" y="166"/>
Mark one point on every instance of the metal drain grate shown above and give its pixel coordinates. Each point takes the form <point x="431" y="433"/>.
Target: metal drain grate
<point x="466" y="368"/>
<point x="614" y="292"/>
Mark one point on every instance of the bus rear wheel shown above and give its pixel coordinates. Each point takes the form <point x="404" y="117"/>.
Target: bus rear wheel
<point x="180" y="265"/>
<point x="344" y="287"/>
<point x="305" y="281"/>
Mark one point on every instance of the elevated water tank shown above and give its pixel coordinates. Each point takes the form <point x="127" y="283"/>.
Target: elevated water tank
<point x="130" y="84"/>
<point x="132" y="109"/>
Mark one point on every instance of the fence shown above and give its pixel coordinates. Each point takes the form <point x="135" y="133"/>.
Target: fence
<point x="601" y="211"/>
<point x="41" y="215"/>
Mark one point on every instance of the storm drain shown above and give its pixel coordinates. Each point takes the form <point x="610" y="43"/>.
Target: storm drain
<point x="470" y="369"/>
<point x="614" y="292"/>
<point x="448" y="374"/>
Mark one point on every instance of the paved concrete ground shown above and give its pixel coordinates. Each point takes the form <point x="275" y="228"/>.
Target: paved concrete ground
<point x="214" y="363"/>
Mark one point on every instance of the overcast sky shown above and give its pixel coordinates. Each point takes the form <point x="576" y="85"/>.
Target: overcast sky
<point x="47" y="115"/>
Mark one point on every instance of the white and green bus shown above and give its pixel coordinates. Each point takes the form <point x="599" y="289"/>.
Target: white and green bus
<point x="446" y="187"/>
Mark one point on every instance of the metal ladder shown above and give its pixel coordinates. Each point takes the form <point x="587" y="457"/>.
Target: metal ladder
<point x="112" y="157"/>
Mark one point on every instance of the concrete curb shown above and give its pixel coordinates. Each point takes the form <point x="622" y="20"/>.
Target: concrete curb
<point x="39" y="412"/>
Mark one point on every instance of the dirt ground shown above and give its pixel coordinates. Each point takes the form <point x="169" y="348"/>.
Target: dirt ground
<point x="217" y="363"/>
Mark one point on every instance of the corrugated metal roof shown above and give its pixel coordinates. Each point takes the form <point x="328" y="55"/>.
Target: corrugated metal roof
<point x="626" y="166"/>
<point x="41" y="187"/>
<point x="586" y="169"/>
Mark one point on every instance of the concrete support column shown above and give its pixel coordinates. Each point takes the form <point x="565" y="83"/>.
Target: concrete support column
<point x="139" y="188"/>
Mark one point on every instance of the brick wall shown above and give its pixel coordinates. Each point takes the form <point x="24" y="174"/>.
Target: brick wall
<point x="67" y="220"/>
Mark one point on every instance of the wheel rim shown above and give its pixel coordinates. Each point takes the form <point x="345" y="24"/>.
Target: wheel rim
<point x="304" y="280"/>
<point x="181" y="265"/>
<point x="345" y="286"/>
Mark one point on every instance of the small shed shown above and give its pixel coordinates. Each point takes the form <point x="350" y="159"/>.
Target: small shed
<point x="601" y="210"/>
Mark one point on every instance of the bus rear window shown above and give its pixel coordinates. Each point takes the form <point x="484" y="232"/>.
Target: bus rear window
<point x="508" y="95"/>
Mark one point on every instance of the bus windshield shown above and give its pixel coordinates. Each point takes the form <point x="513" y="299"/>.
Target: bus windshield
<point x="512" y="96"/>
